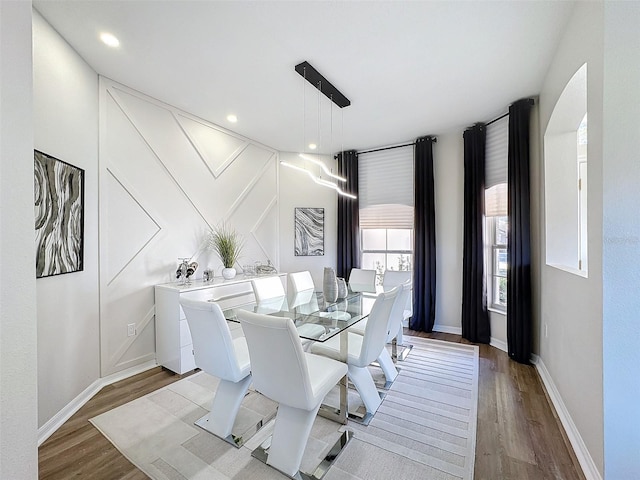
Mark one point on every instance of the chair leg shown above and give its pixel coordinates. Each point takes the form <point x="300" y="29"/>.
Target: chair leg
<point x="400" y="336"/>
<point x="290" y="435"/>
<point x="224" y="407"/>
<point x="387" y="365"/>
<point x="363" y="382"/>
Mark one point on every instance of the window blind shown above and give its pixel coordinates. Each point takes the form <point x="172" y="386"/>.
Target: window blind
<point x="385" y="188"/>
<point x="496" y="160"/>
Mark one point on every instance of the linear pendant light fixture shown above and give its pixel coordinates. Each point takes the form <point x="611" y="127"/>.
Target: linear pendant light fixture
<point x="311" y="75"/>
<point x="314" y="77"/>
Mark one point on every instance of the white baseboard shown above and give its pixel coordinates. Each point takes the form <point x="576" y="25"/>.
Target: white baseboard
<point x="499" y="344"/>
<point x="582" y="453"/>
<point x="74" y="405"/>
<point x="447" y="329"/>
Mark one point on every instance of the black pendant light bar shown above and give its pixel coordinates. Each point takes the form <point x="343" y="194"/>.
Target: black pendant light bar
<point x="317" y="80"/>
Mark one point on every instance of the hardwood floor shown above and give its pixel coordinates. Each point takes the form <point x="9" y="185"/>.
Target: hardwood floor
<point x="518" y="438"/>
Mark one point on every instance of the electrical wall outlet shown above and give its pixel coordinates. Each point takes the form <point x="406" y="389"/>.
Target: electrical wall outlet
<point x="131" y="330"/>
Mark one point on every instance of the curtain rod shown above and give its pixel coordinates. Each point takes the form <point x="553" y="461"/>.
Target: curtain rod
<point x="530" y="100"/>
<point x="435" y="140"/>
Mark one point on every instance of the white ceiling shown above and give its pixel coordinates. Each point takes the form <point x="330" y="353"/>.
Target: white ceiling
<point x="409" y="68"/>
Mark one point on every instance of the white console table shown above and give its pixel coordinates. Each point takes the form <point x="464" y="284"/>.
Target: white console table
<point x="174" y="347"/>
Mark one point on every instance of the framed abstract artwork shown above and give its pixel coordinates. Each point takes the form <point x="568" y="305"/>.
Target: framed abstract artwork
<point x="59" y="216"/>
<point x="309" y="232"/>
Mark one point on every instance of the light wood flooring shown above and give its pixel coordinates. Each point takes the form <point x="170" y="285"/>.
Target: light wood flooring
<point x="518" y="438"/>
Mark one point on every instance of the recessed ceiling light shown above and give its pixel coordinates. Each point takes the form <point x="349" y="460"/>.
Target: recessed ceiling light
<point x="312" y="146"/>
<point x="109" y="39"/>
<point x="232" y="118"/>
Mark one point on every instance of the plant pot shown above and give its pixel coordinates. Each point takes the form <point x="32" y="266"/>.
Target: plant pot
<point x="228" y="273"/>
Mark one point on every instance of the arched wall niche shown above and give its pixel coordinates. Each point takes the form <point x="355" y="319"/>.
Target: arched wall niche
<point x="565" y="164"/>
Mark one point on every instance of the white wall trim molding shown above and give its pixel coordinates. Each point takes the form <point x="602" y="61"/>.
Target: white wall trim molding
<point x="154" y="157"/>
<point x="140" y="326"/>
<point x="55" y="422"/>
<point x="582" y="453"/>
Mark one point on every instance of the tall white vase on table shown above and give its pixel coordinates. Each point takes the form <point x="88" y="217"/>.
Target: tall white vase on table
<point x="330" y="285"/>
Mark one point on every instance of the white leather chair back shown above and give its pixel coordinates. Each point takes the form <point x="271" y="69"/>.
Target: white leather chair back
<point x="300" y="281"/>
<point x="397" y="311"/>
<point x="375" y="333"/>
<point x="272" y="305"/>
<point x="393" y="278"/>
<point x="212" y="342"/>
<point x="278" y="363"/>
<point x="267" y="288"/>
<point x="361" y="280"/>
<point x="304" y="302"/>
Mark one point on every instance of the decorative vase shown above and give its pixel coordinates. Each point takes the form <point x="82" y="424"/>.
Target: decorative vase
<point x="330" y="285"/>
<point x="228" y="273"/>
<point x="342" y="288"/>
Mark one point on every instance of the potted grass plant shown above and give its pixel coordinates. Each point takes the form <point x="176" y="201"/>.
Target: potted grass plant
<point x="227" y="243"/>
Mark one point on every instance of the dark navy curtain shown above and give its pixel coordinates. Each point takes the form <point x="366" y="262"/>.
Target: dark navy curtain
<point x="475" y="317"/>
<point x="519" y="235"/>
<point x="424" y="264"/>
<point x="348" y="216"/>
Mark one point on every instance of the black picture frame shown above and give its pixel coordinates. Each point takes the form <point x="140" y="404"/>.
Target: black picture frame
<point x="59" y="216"/>
<point x="309" y="232"/>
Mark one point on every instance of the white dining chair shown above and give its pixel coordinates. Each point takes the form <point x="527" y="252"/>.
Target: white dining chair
<point x="304" y="302"/>
<point x="385" y="360"/>
<point x="363" y="349"/>
<point x="270" y="295"/>
<point x="297" y="380"/>
<point x="362" y="280"/>
<point x="300" y="281"/>
<point x="271" y="298"/>
<point x="267" y="288"/>
<point x="393" y="278"/>
<point x="219" y="355"/>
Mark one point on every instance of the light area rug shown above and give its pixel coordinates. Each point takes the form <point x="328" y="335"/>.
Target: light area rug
<point x="425" y="427"/>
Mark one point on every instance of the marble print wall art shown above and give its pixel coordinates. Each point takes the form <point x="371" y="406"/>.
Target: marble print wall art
<point x="309" y="231"/>
<point x="59" y="216"/>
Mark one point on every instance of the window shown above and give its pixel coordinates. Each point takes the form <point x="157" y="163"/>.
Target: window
<point x="386" y="249"/>
<point x="496" y="220"/>
<point x="386" y="209"/>
<point x="496" y="233"/>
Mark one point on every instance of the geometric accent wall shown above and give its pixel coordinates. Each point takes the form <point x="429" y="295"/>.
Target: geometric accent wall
<point x="167" y="177"/>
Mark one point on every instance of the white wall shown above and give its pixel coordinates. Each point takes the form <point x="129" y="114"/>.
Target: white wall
<point x="66" y="127"/>
<point x="298" y="190"/>
<point x="18" y="366"/>
<point x="570" y="305"/>
<point x="448" y="172"/>
<point x="621" y="178"/>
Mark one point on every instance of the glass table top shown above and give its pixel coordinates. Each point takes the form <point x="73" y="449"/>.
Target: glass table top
<point x="314" y="317"/>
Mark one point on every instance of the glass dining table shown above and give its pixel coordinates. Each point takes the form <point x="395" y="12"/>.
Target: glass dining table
<point x="318" y="320"/>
